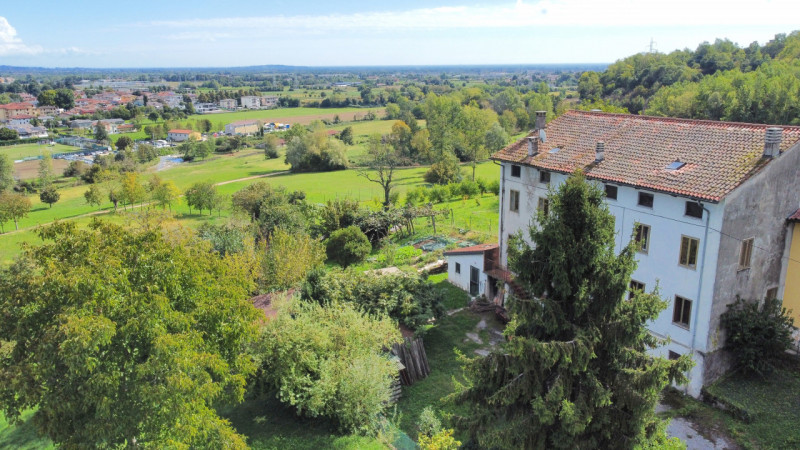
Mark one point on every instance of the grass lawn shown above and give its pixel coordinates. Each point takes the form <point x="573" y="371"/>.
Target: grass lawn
<point x="453" y="297"/>
<point x="772" y="403"/>
<point x="22" y="437"/>
<point x="16" y="152"/>
<point x="301" y="115"/>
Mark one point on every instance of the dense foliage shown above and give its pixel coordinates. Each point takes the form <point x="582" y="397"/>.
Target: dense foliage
<point x="407" y="298"/>
<point x="329" y="361"/>
<point x="575" y="372"/>
<point x="288" y="258"/>
<point x="125" y="338"/>
<point x="757" y="334"/>
<point x="347" y="246"/>
<point x="313" y="149"/>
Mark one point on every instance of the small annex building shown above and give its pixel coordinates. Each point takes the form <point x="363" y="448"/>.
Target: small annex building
<point x="471" y="269"/>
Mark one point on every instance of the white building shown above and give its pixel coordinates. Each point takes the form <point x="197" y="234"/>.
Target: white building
<point x="710" y="200"/>
<point x="178" y="135"/>
<point x="469" y="269"/>
<point x="227" y="103"/>
<point x="251" y="102"/>
<point x="205" y="108"/>
<point x="269" y="101"/>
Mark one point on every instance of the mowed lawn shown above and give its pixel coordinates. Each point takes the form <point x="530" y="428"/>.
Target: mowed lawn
<point x="318" y="186"/>
<point x="17" y="152"/>
<point x="301" y="115"/>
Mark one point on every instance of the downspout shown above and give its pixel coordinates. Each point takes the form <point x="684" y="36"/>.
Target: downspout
<point x="700" y="284"/>
<point x="502" y="202"/>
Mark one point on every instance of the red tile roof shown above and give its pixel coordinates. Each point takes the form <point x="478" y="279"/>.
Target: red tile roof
<point x="480" y="248"/>
<point x="22" y="105"/>
<point x="719" y="156"/>
<point x="178" y="131"/>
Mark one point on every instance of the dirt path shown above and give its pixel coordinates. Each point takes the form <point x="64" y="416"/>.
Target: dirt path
<point x="107" y="211"/>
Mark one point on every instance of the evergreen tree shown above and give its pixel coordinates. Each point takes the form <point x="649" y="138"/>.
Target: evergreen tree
<point x="575" y="372"/>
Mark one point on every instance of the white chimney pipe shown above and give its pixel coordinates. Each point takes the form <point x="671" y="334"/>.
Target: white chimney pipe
<point x="533" y="145"/>
<point x="541" y="120"/>
<point x="772" y="142"/>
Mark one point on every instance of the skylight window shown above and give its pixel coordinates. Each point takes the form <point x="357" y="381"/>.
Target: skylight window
<point x="554" y="150"/>
<point x="676" y="165"/>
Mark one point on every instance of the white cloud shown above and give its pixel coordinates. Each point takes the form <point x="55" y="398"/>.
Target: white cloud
<point x="543" y="13"/>
<point x="10" y="44"/>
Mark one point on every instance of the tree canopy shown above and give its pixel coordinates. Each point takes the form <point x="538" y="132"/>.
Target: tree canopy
<point x="134" y="341"/>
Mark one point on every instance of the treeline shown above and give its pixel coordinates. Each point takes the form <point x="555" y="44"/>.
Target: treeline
<point x="719" y="81"/>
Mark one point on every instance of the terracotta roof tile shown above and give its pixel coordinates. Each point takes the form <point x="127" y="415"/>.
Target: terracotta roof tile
<point x="719" y="156"/>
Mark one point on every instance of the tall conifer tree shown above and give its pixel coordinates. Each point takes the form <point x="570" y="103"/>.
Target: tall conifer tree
<point x="575" y="372"/>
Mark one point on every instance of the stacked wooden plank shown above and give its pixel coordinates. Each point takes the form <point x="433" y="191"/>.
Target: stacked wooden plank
<point x="412" y="355"/>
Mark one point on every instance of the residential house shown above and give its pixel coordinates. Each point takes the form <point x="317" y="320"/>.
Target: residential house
<point x="269" y="101"/>
<point x="81" y="123"/>
<point x="20" y="119"/>
<point x="205" y="108"/>
<point x="15" y="109"/>
<point x="242" y="127"/>
<point x="178" y="135"/>
<point x="227" y="103"/>
<point x="28" y="131"/>
<point x="126" y="128"/>
<point x="251" y="102"/>
<point x="706" y="202"/>
<point x="49" y="110"/>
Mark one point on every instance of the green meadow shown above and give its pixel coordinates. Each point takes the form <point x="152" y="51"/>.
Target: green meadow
<point x="16" y="152"/>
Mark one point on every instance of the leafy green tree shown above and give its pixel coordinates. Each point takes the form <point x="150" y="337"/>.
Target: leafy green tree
<point x="124" y="143"/>
<point x="589" y="86"/>
<point x="146" y="368"/>
<point x="6" y="172"/>
<point x="93" y="195"/>
<point x="445" y="169"/>
<point x="496" y="138"/>
<point x="346" y="135"/>
<point x="757" y="334"/>
<point x="382" y="160"/>
<point x="289" y="257"/>
<point x="100" y="133"/>
<point x="46" y="169"/>
<point x="49" y="195"/>
<point x="271" y="143"/>
<point x="315" y="151"/>
<point x="7" y="134"/>
<point x="201" y="195"/>
<point x="270" y="208"/>
<point x="65" y="98"/>
<point x="165" y="194"/>
<point x="132" y="191"/>
<point x="47" y="98"/>
<point x="575" y="372"/>
<point x="343" y="352"/>
<point x="347" y="246"/>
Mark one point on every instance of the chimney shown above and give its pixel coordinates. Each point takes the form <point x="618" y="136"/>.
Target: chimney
<point x="533" y="145"/>
<point x="541" y="120"/>
<point x="772" y="142"/>
<point x="600" y="151"/>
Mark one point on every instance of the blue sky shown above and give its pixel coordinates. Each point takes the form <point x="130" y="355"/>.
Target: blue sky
<point x="55" y="33"/>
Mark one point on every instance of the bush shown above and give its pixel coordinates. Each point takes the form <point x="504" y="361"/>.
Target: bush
<point x="271" y="153"/>
<point x="757" y="335"/>
<point x="445" y="170"/>
<point x="454" y="190"/>
<point x="439" y="194"/>
<point x="289" y="258"/>
<point x="443" y="440"/>
<point x="483" y="185"/>
<point x="428" y="423"/>
<point x="417" y="195"/>
<point x="329" y="362"/>
<point x="76" y="169"/>
<point x="494" y="187"/>
<point x="469" y="189"/>
<point x="407" y="298"/>
<point x="347" y="246"/>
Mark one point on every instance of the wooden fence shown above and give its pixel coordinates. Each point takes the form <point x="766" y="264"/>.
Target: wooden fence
<point x="412" y="355"/>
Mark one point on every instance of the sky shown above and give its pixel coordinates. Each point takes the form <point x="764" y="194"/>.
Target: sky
<point x="179" y="33"/>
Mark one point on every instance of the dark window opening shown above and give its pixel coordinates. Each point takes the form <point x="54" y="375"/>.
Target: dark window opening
<point x="673" y="356"/>
<point x="516" y="171"/>
<point x="544" y="177"/>
<point x="682" y="312"/>
<point x="645" y="199"/>
<point x="513" y="200"/>
<point x="611" y="192"/>
<point x="694" y="209"/>
<point x="458" y="268"/>
<point x="634" y="288"/>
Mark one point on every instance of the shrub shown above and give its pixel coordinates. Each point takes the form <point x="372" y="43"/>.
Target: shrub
<point x="290" y="256"/>
<point x="469" y="188"/>
<point x="407" y="298"/>
<point x="329" y="362"/>
<point x="443" y="440"/>
<point x="757" y="335"/>
<point x="428" y="423"/>
<point x="76" y="169"/>
<point x="494" y="187"/>
<point x="454" y="190"/>
<point x="417" y="195"/>
<point x="439" y="194"/>
<point x="445" y="170"/>
<point x="347" y="246"/>
<point x="483" y="185"/>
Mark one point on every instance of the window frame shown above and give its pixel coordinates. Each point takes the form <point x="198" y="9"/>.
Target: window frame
<point x="681" y="312"/>
<point x="633" y="286"/>
<point x="458" y="267"/>
<point x="746" y="252"/>
<point x="616" y="191"/>
<point x="646" y="195"/>
<point x="543" y="205"/>
<point x="513" y="200"/>
<point x="686" y="210"/>
<point x="672" y="356"/>
<point x="517" y="169"/>
<point x="544" y="177"/>
<point x="637" y="237"/>
<point x="689" y="240"/>
<point x="771" y="290"/>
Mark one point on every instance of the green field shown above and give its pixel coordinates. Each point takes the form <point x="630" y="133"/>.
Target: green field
<point x="16" y="152"/>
